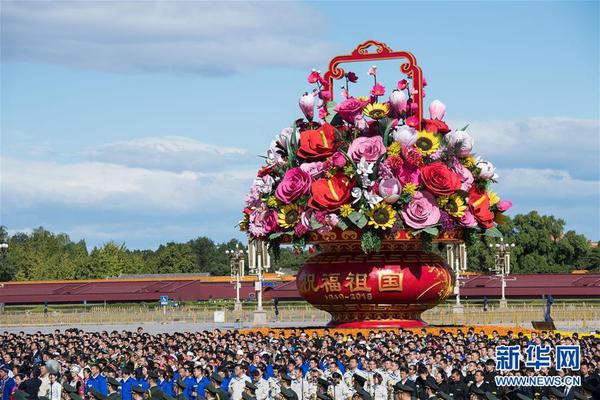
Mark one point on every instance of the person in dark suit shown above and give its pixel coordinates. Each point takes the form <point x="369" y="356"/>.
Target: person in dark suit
<point x="457" y="388"/>
<point x="32" y="385"/>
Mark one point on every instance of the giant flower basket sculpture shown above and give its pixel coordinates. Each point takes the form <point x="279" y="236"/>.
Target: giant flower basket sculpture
<point x="371" y="183"/>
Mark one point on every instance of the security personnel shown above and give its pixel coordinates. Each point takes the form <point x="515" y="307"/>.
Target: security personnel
<point x="113" y="389"/>
<point x="137" y="392"/>
<point x="154" y="390"/>
<point x="179" y="388"/>
<point x="361" y="394"/>
<point x="431" y="388"/>
<point x="94" y="393"/>
<point x="404" y="391"/>
<point x="288" y="394"/>
<point x="96" y="381"/>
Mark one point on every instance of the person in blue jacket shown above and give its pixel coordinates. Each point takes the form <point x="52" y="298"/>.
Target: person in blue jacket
<point x="96" y="381"/>
<point x="165" y="382"/>
<point x="127" y="384"/>
<point x="200" y="382"/>
<point x="6" y="383"/>
<point x="189" y="382"/>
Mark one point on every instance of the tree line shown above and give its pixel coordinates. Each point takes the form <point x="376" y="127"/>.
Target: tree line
<point x="541" y="245"/>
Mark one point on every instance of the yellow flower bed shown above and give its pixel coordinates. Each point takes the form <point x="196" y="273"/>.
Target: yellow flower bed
<point x="487" y="329"/>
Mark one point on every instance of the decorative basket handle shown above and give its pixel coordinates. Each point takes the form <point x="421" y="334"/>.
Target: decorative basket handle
<point x="382" y="52"/>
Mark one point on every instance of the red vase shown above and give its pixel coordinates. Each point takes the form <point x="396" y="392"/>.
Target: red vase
<point x="377" y="290"/>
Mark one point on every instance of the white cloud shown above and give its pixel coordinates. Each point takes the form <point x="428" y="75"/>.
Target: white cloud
<point x="173" y="153"/>
<point x="173" y="36"/>
<point x="93" y="185"/>
<point x="542" y="185"/>
<point x="559" y="143"/>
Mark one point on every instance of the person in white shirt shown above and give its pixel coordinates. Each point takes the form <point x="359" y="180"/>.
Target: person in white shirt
<point x="238" y="382"/>
<point x="262" y="387"/>
<point x="54" y="388"/>
<point x="379" y="390"/>
<point x="43" y="390"/>
<point x="338" y="390"/>
<point x="352" y="369"/>
<point x="299" y="384"/>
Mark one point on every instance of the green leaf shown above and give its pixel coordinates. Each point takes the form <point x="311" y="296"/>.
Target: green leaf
<point x="330" y="106"/>
<point x="330" y="117"/>
<point x="430" y="230"/>
<point x="359" y="219"/>
<point x="314" y="224"/>
<point x="386" y="132"/>
<point x="347" y="157"/>
<point x="342" y="224"/>
<point x="465" y="127"/>
<point x="493" y="232"/>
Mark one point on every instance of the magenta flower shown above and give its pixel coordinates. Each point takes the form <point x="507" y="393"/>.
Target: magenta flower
<point x="378" y="90"/>
<point x="402" y="84"/>
<point x="294" y="184"/>
<point x="422" y="211"/>
<point x="369" y="148"/>
<point x="314" y="76"/>
<point x="349" y="109"/>
<point x="504" y="205"/>
<point x="338" y="159"/>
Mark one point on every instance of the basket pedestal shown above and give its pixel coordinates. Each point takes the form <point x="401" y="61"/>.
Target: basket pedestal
<point x="379" y="290"/>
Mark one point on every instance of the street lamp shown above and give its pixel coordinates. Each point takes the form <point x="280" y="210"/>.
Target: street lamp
<point x="258" y="258"/>
<point x="502" y="266"/>
<point x="236" y="262"/>
<point x="456" y="254"/>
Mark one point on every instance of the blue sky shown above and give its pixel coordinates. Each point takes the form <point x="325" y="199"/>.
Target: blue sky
<point x="140" y="122"/>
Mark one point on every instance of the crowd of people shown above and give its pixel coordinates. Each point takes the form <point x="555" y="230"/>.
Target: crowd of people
<point x="292" y="365"/>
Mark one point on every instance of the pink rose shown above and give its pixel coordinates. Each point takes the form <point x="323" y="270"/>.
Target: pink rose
<point x="468" y="220"/>
<point x="422" y="211"/>
<point x="466" y="177"/>
<point x="294" y="184"/>
<point x="313" y="169"/>
<point x="262" y="221"/>
<point x="307" y="105"/>
<point x="504" y="205"/>
<point x="349" y="109"/>
<point x="371" y="148"/>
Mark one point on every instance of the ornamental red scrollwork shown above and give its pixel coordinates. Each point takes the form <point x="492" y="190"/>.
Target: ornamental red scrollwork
<point x="381" y="52"/>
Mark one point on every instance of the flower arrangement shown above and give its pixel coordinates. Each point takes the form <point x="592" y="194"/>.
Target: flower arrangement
<point x="369" y="163"/>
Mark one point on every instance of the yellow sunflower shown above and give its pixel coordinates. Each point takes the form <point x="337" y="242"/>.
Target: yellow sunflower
<point x="382" y="216"/>
<point x="428" y="143"/>
<point x="468" y="162"/>
<point x="376" y="110"/>
<point x="394" y="149"/>
<point x="272" y="201"/>
<point x="346" y="210"/>
<point x="289" y="216"/>
<point x="455" y="206"/>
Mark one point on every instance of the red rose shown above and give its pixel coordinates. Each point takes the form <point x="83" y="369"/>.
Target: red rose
<point x="479" y="203"/>
<point x="439" y="179"/>
<point x="330" y="194"/>
<point x="317" y="144"/>
<point x="435" y="126"/>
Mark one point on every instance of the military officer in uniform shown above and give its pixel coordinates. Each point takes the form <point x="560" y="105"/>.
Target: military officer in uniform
<point x="179" y="388"/>
<point x="113" y="389"/>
